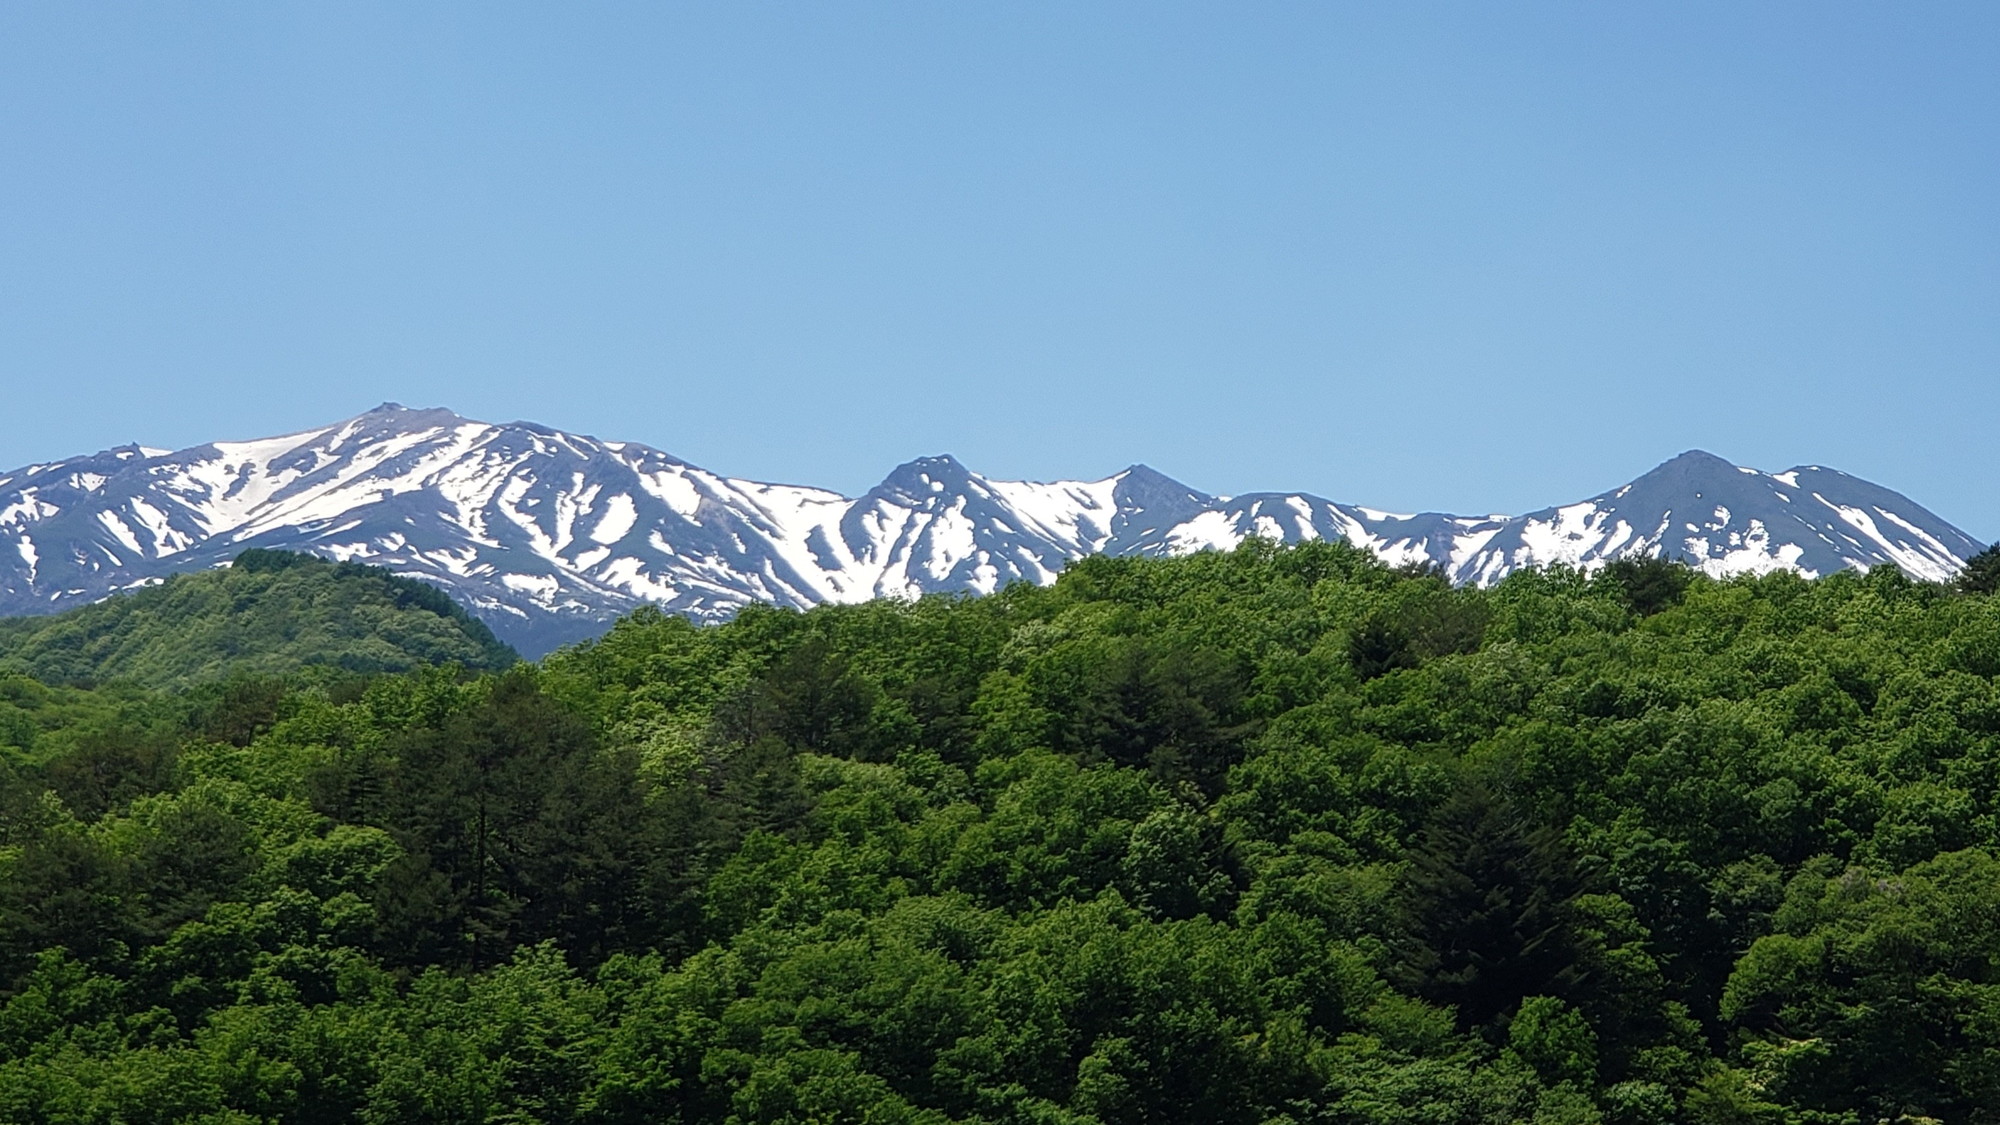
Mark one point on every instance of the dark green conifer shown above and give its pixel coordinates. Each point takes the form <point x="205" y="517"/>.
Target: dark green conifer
<point x="1649" y="585"/>
<point x="1982" y="572"/>
<point x="1486" y="911"/>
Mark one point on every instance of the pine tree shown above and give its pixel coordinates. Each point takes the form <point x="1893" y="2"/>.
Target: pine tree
<point x="1486" y="911"/>
<point x="516" y="828"/>
<point x="1982" y="572"/>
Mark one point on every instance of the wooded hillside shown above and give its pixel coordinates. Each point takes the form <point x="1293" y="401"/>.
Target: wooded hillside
<point x="1279" y="835"/>
<point x="271" y="612"/>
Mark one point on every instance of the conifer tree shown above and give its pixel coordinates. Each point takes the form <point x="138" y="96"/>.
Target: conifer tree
<point x="1486" y="911"/>
<point x="1982" y="572"/>
<point x="1649" y="585"/>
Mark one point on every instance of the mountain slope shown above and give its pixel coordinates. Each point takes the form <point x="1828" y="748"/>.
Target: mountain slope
<point x="271" y="612"/>
<point x="547" y="535"/>
<point x="1725" y="519"/>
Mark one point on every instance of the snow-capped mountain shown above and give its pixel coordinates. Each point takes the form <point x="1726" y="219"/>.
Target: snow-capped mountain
<point x="548" y="536"/>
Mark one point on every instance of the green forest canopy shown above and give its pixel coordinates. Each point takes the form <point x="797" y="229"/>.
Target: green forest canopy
<point x="1278" y="835"/>
<point x="271" y="612"/>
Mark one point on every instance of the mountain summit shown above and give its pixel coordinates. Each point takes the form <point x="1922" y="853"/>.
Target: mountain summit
<point x="547" y="536"/>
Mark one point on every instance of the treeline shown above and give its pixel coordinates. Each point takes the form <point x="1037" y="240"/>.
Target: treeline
<point x="1273" y="836"/>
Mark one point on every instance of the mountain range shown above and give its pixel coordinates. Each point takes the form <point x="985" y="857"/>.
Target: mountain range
<point x="548" y="536"/>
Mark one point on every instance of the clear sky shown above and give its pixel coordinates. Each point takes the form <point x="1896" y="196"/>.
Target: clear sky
<point x="1478" y="257"/>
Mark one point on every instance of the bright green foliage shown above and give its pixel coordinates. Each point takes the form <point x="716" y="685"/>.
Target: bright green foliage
<point x="1279" y="835"/>
<point x="271" y="613"/>
<point x="1555" y="1040"/>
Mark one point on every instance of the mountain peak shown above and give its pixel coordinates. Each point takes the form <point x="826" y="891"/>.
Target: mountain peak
<point x="394" y="417"/>
<point x="1140" y="473"/>
<point x="397" y="413"/>
<point x="924" y="476"/>
<point x="1142" y="486"/>
<point x="1699" y="457"/>
<point x="1696" y="467"/>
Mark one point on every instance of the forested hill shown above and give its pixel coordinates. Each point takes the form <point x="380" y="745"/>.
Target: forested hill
<point x="269" y="613"/>
<point x="1271" y="836"/>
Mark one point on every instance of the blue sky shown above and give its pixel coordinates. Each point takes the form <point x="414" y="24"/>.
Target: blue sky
<point x="1478" y="257"/>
